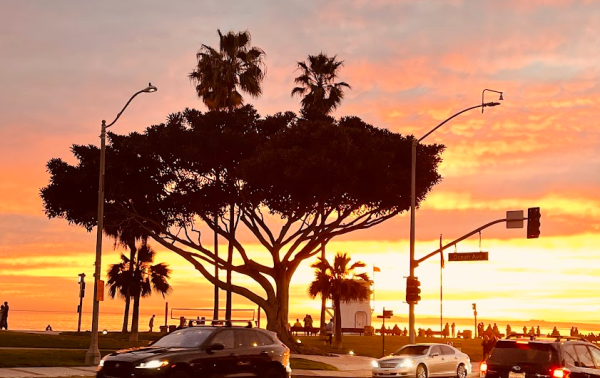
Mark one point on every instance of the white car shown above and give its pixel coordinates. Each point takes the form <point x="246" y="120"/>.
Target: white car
<point x="423" y="361"/>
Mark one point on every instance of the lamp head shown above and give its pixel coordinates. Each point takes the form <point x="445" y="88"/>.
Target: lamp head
<point x="501" y="98"/>
<point x="150" y="88"/>
<point x="492" y="104"/>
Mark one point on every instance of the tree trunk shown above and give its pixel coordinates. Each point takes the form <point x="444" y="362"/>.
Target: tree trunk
<point x="278" y="309"/>
<point x="135" y="317"/>
<point x="323" y="317"/>
<point x="323" y="300"/>
<point x="132" y="252"/>
<point x="126" y="314"/>
<point x="337" y="339"/>
<point x="230" y="259"/>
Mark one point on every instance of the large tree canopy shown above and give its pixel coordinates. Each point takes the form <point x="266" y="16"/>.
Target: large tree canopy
<point x="317" y="178"/>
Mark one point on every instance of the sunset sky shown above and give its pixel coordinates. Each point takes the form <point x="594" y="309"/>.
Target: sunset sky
<point x="66" y="65"/>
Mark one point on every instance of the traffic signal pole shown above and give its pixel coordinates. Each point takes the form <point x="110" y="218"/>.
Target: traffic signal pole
<point x="413" y="176"/>
<point x="415" y="141"/>
<point x="415" y="262"/>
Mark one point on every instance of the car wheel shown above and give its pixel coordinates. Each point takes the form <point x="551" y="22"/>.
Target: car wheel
<point x="421" y="371"/>
<point x="274" y="373"/>
<point x="461" y="371"/>
<point x="179" y="374"/>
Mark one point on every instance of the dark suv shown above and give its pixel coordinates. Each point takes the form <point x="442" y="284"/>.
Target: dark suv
<point x="552" y="357"/>
<point x="203" y="351"/>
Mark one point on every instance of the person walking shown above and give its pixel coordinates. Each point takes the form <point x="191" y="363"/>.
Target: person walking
<point x="485" y="343"/>
<point x="151" y="323"/>
<point x="446" y="331"/>
<point x="453" y="326"/>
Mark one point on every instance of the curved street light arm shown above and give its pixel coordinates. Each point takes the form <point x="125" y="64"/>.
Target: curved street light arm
<point x="459" y="113"/>
<point x="151" y="88"/>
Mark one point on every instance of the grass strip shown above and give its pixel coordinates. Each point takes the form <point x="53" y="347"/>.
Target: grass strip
<point x="14" y="358"/>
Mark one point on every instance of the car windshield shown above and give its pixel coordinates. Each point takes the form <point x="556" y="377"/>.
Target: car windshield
<point x="412" y="350"/>
<point x="522" y="353"/>
<point x="184" y="338"/>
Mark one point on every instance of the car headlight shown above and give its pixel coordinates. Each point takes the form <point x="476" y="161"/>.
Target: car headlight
<point x="406" y="363"/>
<point x="375" y="363"/>
<point x="154" y="364"/>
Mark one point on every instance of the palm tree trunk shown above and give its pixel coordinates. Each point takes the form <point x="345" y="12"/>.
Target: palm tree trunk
<point x="216" y="305"/>
<point x="323" y="300"/>
<point x="337" y="340"/>
<point x="126" y="314"/>
<point x="132" y="252"/>
<point x="230" y="259"/>
<point x="135" y="317"/>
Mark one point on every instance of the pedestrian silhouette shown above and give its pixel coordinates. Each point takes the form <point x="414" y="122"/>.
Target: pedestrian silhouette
<point x="151" y="323"/>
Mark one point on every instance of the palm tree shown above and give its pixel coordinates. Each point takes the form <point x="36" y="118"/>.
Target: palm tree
<point x="219" y="74"/>
<point x="138" y="277"/>
<point x="338" y="282"/>
<point x="321" y="93"/>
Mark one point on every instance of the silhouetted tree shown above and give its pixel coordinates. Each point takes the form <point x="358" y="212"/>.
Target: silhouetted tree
<point x="297" y="184"/>
<point x="137" y="278"/>
<point x="321" y="93"/>
<point x="340" y="283"/>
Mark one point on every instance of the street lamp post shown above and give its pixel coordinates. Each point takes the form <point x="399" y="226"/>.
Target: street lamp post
<point x="92" y="356"/>
<point x="413" y="264"/>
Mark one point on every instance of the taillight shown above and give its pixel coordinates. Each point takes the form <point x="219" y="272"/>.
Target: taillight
<point x="483" y="369"/>
<point x="561" y="373"/>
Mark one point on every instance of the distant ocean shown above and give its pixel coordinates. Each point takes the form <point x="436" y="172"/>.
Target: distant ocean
<point x="67" y="321"/>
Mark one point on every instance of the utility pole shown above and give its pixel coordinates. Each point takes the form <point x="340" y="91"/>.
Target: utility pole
<point x="475" y="314"/>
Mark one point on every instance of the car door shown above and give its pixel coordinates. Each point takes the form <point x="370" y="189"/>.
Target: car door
<point x="249" y="355"/>
<point x="571" y="361"/>
<point x="224" y="361"/>
<point x="450" y="359"/>
<point x="259" y="350"/>
<point x="586" y="361"/>
<point x="596" y="356"/>
<point x="435" y="362"/>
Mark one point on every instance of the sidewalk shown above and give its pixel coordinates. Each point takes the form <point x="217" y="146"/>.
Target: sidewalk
<point x="349" y="366"/>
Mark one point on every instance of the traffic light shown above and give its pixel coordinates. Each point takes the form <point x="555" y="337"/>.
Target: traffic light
<point x="533" y="222"/>
<point x="474" y="307"/>
<point x="413" y="290"/>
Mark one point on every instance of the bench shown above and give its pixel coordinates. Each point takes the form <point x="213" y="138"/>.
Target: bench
<point x="312" y="331"/>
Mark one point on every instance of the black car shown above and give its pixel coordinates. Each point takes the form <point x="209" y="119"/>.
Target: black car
<point x="203" y="351"/>
<point x="552" y="357"/>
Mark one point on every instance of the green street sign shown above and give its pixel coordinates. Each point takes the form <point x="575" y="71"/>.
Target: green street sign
<point x="468" y="256"/>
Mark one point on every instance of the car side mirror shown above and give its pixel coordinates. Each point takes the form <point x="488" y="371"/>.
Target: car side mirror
<point x="434" y="355"/>
<point x="150" y="342"/>
<point x="215" y="346"/>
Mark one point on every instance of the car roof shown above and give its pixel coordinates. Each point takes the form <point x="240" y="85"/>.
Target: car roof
<point x="428" y="344"/>
<point x="545" y="339"/>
